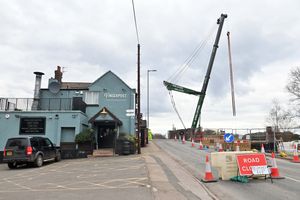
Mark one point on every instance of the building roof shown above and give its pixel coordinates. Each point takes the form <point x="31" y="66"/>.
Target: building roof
<point x="75" y="85"/>
<point x="109" y="116"/>
<point x="110" y="72"/>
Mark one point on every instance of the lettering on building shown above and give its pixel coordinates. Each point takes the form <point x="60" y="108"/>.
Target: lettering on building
<point x="115" y="96"/>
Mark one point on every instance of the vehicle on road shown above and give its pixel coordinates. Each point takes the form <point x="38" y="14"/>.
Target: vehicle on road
<point x="33" y="151"/>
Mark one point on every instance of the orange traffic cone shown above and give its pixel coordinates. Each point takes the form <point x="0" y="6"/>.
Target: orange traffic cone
<point x="220" y="147"/>
<point x="193" y="144"/>
<point x="183" y="139"/>
<point x="274" y="169"/>
<point x="262" y="149"/>
<point x="200" y="146"/>
<point x="296" y="157"/>
<point x="208" y="174"/>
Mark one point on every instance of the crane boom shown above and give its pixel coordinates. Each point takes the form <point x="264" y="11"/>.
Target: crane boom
<point x="208" y="72"/>
<point x="178" y="88"/>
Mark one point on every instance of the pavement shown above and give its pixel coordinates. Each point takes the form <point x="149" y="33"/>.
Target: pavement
<point x="169" y="180"/>
<point x="152" y="175"/>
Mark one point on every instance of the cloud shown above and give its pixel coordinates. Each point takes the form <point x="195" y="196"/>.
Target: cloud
<point x="89" y="38"/>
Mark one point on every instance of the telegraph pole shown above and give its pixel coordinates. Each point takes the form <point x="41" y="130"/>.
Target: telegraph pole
<point x="138" y="101"/>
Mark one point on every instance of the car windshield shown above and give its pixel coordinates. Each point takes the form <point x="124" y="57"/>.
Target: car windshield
<point x="20" y="143"/>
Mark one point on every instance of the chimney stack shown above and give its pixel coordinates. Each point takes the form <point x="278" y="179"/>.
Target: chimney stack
<point x="58" y="74"/>
<point x="37" y="87"/>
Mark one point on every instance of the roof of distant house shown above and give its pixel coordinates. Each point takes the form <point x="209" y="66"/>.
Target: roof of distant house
<point x="75" y="85"/>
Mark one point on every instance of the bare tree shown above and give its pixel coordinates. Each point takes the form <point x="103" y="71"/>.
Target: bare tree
<point x="293" y="86"/>
<point x="279" y="117"/>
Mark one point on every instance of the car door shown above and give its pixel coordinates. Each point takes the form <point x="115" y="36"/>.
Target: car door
<point x="47" y="148"/>
<point x="51" y="148"/>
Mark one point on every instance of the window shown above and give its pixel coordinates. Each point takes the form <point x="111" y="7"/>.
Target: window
<point x="34" y="142"/>
<point x="91" y="98"/>
<point x="45" y="142"/>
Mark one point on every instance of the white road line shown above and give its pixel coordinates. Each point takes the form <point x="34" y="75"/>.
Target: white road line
<point x="292" y="179"/>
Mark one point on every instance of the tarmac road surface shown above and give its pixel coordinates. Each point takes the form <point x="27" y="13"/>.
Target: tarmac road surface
<point x="193" y="160"/>
<point x="121" y="177"/>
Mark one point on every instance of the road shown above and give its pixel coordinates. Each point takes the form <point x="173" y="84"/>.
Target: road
<point x="193" y="160"/>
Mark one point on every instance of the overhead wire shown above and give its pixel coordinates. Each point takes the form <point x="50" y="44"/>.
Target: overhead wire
<point x="175" y="108"/>
<point x="188" y="61"/>
<point x="135" y="23"/>
<point x="177" y="75"/>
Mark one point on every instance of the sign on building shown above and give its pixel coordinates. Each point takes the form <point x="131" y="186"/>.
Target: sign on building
<point x="32" y="125"/>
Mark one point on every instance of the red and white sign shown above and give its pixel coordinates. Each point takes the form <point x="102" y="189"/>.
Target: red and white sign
<point x="248" y="161"/>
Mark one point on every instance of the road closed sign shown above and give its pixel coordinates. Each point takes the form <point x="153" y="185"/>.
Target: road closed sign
<point x="250" y="164"/>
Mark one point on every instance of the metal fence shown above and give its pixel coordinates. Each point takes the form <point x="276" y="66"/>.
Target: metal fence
<point x="25" y="104"/>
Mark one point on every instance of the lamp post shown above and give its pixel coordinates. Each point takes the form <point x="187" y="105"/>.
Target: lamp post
<point x="148" y="71"/>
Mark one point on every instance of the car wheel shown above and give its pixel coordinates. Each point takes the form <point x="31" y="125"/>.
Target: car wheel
<point x="38" y="161"/>
<point x="58" y="157"/>
<point x="12" y="165"/>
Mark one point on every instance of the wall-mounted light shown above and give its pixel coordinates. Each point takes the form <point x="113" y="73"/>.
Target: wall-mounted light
<point x="103" y="112"/>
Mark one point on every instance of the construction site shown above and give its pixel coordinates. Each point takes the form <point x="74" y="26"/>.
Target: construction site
<point x="273" y="139"/>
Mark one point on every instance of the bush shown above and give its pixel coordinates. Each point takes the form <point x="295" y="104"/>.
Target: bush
<point x="86" y="135"/>
<point x="126" y="136"/>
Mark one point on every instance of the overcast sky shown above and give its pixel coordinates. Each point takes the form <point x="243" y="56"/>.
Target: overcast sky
<point x="90" y="37"/>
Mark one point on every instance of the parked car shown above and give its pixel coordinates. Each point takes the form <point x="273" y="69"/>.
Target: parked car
<point x="30" y="150"/>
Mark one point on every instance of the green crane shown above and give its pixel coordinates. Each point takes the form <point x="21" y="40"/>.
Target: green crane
<point x="171" y="86"/>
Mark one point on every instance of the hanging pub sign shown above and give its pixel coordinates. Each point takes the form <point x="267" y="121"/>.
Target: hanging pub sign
<point x="32" y="125"/>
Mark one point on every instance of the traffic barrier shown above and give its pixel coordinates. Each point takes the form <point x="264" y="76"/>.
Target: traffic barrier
<point x="262" y="148"/>
<point x="220" y="147"/>
<point x="200" y="145"/>
<point x="208" y="174"/>
<point x="193" y="144"/>
<point x="295" y="157"/>
<point x="183" y="139"/>
<point x="274" y="169"/>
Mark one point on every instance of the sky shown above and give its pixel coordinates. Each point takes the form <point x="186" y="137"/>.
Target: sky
<point x="88" y="38"/>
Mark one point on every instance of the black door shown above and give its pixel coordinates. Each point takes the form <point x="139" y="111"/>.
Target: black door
<point x="47" y="148"/>
<point x="106" y="136"/>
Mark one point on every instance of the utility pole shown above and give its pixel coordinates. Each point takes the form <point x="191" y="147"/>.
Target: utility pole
<point x="138" y="101"/>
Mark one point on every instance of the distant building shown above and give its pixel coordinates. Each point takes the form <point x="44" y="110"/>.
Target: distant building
<point x="64" y="109"/>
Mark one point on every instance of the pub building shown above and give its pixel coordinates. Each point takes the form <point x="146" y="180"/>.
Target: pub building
<point x="65" y="109"/>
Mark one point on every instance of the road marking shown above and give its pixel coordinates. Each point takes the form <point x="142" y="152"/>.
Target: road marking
<point x="292" y="179"/>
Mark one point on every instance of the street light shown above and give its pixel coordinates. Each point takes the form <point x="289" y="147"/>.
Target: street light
<point x="148" y="71"/>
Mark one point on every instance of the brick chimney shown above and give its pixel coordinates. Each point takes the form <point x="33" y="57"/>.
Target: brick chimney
<point x="58" y="74"/>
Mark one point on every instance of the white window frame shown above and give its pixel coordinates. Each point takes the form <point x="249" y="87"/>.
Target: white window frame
<point x="91" y="98"/>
